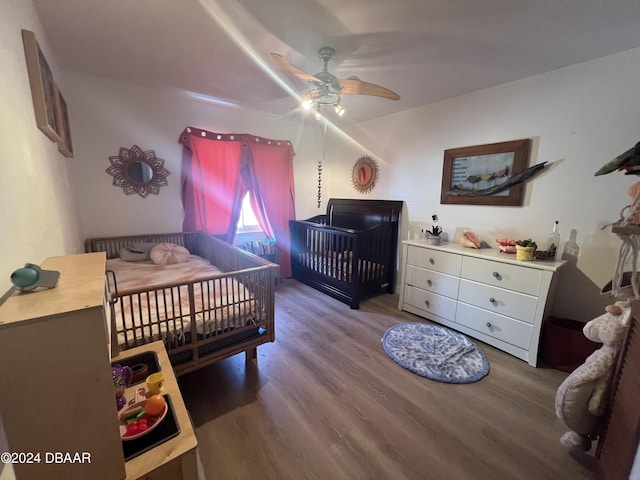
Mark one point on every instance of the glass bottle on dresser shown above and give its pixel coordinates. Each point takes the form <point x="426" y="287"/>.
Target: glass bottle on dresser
<point x="554" y="242"/>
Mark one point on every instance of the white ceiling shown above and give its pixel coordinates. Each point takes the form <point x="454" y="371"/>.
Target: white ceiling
<point x="425" y="50"/>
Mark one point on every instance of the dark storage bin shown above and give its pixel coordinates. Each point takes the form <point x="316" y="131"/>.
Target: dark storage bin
<point x="564" y="346"/>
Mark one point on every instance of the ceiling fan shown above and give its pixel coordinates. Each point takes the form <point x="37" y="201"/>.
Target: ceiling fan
<point x="328" y="87"/>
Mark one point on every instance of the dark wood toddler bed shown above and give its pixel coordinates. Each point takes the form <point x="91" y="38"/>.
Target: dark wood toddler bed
<point x="217" y="303"/>
<point x="350" y="252"/>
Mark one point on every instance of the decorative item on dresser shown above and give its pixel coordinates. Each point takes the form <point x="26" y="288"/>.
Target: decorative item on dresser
<point x="480" y="292"/>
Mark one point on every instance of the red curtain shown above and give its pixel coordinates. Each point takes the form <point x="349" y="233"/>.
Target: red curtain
<point x="210" y="180"/>
<point x="268" y="175"/>
<point x="218" y="170"/>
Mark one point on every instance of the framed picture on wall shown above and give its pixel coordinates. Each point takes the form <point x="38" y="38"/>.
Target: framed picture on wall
<point x="65" y="146"/>
<point x="43" y="88"/>
<point x="480" y="175"/>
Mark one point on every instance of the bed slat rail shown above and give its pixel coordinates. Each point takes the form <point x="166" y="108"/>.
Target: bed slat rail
<point x="343" y="262"/>
<point x="113" y="245"/>
<point x="226" y="313"/>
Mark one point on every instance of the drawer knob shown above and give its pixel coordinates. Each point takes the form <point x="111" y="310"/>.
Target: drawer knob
<point x="488" y="324"/>
<point x="492" y="300"/>
<point x="426" y="302"/>
<point x="496" y="274"/>
<point x="432" y="261"/>
<point x="429" y="282"/>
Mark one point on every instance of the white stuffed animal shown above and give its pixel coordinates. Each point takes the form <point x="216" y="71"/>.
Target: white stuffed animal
<point x="581" y="398"/>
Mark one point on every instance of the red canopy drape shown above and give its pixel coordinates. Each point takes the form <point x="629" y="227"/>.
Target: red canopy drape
<point x="269" y="179"/>
<point x="217" y="171"/>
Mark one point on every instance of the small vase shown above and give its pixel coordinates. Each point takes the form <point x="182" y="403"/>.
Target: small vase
<point x="433" y="239"/>
<point x="524" y="253"/>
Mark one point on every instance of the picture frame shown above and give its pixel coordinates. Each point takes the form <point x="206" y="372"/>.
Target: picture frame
<point x="470" y="174"/>
<point x="43" y="88"/>
<point x="65" y="145"/>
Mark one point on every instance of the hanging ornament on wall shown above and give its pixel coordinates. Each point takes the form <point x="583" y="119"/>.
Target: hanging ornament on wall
<point x="138" y="171"/>
<point x="364" y="174"/>
<point x="324" y="157"/>
<point x="319" y="182"/>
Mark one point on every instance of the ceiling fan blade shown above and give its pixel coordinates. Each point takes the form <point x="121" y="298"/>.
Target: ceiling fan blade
<point x="351" y="86"/>
<point x="284" y="63"/>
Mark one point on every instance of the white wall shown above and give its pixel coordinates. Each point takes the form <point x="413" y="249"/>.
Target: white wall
<point x="579" y="117"/>
<point x="37" y="214"/>
<point x="111" y="115"/>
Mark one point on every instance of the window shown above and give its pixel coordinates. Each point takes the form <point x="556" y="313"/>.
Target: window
<point x="247" y="221"/>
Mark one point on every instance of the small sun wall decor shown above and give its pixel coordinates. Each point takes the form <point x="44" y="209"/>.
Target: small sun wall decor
<point x="364" y="174"/>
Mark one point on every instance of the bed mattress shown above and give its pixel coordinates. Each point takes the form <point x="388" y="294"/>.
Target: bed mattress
<point x="340" y="265"/>
<point x="154" y="301"/>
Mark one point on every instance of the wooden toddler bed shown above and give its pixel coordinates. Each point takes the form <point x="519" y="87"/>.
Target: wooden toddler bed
<point x="216" y="303"/>
<point x="350" y="252"/>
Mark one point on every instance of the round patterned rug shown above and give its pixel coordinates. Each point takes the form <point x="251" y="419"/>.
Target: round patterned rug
<point x="435" y="352"/>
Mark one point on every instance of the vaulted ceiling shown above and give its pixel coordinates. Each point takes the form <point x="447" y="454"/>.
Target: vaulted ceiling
<point x="425" y="50"/>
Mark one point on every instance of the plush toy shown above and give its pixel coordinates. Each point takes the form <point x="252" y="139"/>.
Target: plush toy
<point x="581" y="399"/>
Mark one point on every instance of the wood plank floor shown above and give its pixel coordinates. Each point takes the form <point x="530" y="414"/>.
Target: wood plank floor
<point x="325" y="402"/>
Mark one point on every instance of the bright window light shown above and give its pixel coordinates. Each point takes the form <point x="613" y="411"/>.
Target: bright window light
<point x="247" y="221"/>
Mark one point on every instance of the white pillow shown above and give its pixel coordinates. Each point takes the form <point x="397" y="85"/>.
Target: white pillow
<point x="168" y="254"/>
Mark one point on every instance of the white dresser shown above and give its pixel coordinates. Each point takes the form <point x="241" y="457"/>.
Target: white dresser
<point x="483" y="293"/>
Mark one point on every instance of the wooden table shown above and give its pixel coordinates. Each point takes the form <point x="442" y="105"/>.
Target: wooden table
<point x="175" y="458"/>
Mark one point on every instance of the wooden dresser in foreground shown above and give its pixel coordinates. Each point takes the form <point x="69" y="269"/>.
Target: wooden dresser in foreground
<point x="57" y="390"/>
<point x="57" y="399"/>
<point x="483" y="293"/>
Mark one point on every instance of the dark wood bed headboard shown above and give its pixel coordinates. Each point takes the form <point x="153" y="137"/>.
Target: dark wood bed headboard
<point x="361" y="214"/>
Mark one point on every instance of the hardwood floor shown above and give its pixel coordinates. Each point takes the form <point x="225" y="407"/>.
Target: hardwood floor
<point x="325" y="402"/>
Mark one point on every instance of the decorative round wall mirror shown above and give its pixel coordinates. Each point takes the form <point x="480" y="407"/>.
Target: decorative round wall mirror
<point x="364" y="174"/>
<point x="137" y="171"/>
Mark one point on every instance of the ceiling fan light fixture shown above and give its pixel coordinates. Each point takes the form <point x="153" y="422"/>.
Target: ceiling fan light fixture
<point x="320" y="97"/>
<point x="328" y="88"/>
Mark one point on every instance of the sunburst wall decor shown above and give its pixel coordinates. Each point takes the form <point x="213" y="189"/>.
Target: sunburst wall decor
<point x="137" y="171"/>
<point x="364" y="174"/>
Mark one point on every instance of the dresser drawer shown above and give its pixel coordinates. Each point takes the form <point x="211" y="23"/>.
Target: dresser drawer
<point x="430" y="302"/>
<point x="497" y="326"/>
<point x="435" y="282"/>
<point x="520" y="279"/>
<point x="490" y="296"/>
<point x="443" y="262"/>
<point x="498" y="300"/>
